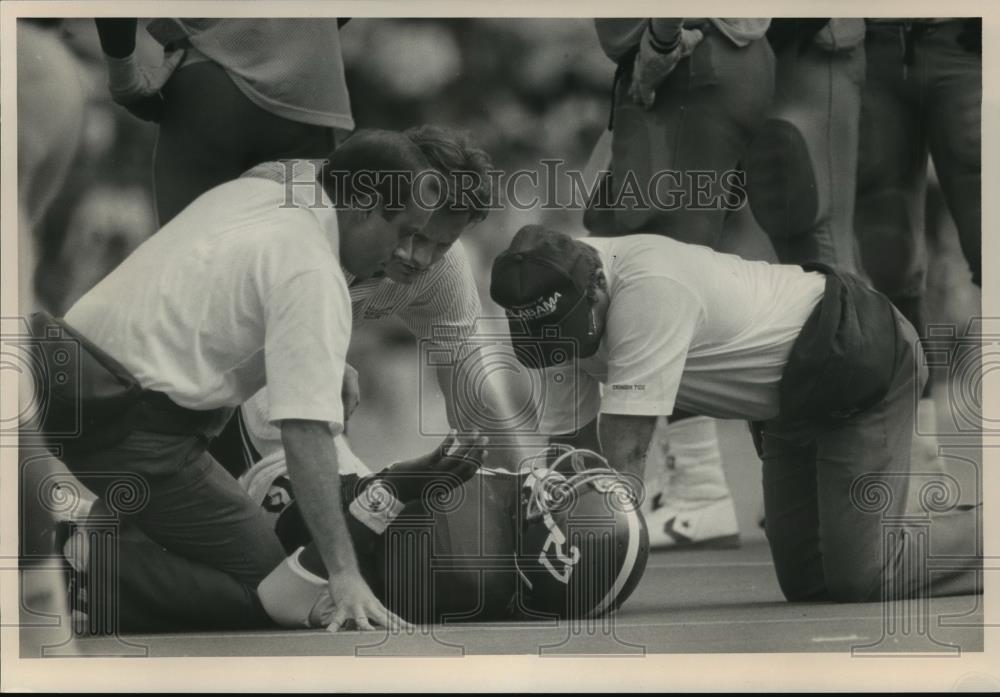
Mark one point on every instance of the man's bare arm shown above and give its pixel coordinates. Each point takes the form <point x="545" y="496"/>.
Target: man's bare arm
<point x="585" y="437"/>
<point x="486" y="393"/>
<point x="312" y="464"/>
<point x="626" y="439"/>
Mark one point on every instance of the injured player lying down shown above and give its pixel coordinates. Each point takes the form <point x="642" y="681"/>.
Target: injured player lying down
<point x="439" y="538"/>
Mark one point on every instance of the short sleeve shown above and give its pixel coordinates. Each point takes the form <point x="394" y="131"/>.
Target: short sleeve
<point x="307" y="333"/>
<point x="264" y="436"/>
<point x="568" y="399"/>
<point x="652" y="322"/>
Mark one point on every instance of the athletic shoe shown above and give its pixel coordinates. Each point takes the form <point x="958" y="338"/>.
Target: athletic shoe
<point x="709" y="526"/>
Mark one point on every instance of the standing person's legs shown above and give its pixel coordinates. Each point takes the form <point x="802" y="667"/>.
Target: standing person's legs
<point x="211" y="133"/>
<point x="701" y="125"/>
<point x="954" y="120"/>
<point x="901" y="112"/>
<point x="892" y="176"/>
<point x="205" y="528"/>
<point x="803" y="163"/>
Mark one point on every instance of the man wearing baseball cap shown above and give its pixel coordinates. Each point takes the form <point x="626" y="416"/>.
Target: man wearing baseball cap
<point x="632" y="327"/>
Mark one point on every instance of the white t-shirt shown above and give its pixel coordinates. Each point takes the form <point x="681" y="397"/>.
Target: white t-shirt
<point x="440" y="307"/>
<point x="240" y="289"/>
<point x="687" y="328"/>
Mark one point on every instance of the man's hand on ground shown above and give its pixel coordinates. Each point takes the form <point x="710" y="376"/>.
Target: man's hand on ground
<point x="354" y="601"/>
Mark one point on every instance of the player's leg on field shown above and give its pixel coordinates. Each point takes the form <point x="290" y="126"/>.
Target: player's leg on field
<point x="954" y="134"/>
<point x="692" y="506"/>
<point x="211" y="133"/>
<point x="802" y="165"/>
<point x="869" y="553"/>
<point x="295" y="593"/>
<point x="295" y="596"/>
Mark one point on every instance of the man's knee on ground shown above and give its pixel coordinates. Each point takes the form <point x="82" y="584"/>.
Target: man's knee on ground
<point x="797" y="567"/>
<point x="848" y="585"/>
<point x="838" y="587"/>
<point x="801" y="588"/>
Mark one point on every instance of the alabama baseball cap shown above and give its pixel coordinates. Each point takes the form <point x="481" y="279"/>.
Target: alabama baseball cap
<point x="541" y="281"/>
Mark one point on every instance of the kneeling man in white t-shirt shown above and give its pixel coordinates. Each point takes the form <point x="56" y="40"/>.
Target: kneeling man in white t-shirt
<point x="629" y="329"/>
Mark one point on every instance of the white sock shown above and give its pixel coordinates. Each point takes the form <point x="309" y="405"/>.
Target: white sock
<point x="694" y="463"/>
<point x="293" y="596"/>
